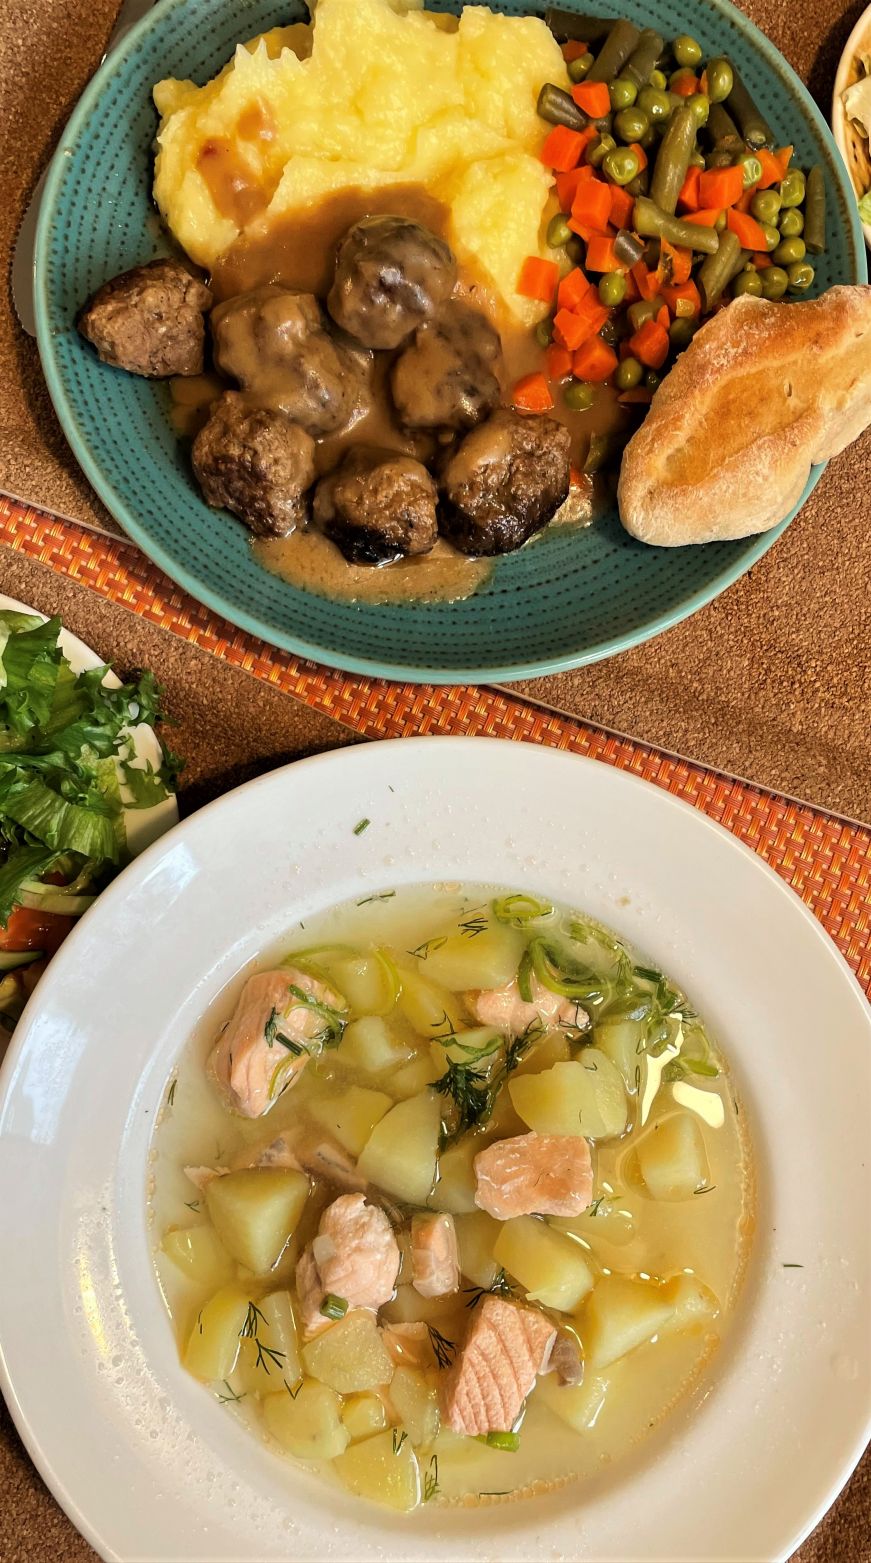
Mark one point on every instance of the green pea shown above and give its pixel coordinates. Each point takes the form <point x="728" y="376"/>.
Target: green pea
<point x="544" y="332"/>
<point x="772" y="235"/>
<point x="623" y="93"/>
<point x="659" y="80"/>
<point x="701" y="107"/>
<point x="765" y="206"/>
<point x="747" y="282"/>
<point x="628" y="374"/>
<point x="578" y="68"/>
<point x="622" y="165"/>
<point x="752" y="169"/>
<point x="558" y="231"/>
<point x="681" y="332"/>
<point x="631" y="124"/>
<point x="774" y="282"/>
<point x="579" y="396"/>
<point x="792" y="188"/>
<point x="801" y="275"/>
<point x="686" y="51"/>
<point x="599" y="149"/>
<point x="612" y="289"/>
<point x="611" y="332"/>
<point x="721" y="80"/>
<point x="720" y="222"/>
<point x="652" y="380"/>
<point x="576" y="250"/>
<point x="788" y="252"/>
<point x="791" y="222"/>
<point x="655" y="103"/>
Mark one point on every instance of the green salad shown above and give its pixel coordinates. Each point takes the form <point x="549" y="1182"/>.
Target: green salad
<point x="68" y="772"/>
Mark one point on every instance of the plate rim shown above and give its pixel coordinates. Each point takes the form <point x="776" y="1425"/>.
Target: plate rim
<point x="184" y="574"/>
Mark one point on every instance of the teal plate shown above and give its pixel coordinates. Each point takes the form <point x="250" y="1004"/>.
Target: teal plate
<point x="570" y="598"/>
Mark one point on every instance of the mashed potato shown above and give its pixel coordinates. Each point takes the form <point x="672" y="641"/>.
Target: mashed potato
<point x="374" y="94"/>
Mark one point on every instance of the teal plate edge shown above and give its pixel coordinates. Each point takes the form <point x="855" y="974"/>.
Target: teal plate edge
<point x="188" y="579"/>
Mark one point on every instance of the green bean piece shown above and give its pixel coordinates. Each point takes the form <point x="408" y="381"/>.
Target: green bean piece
<point x="752" y="169"/>
<point x="791" y="222"/>
<point x="559" y="108"/>
<point x="580" y="67"/>
<point x="697" y="158"/>
<point x="640" y="185"/>
<point x="544" y="332"/>
<point x="640" y="64"/>
<point x="788" y="252"/>
<point x="578" y="396"/>
<point x="719" y="158"/>
<point x="765" y="206"/>
<point x="681" y="332"/>
<point x="717" y="271"/>
<point x="631" y="124"/>
<point x="800" y="275"/>
<point x="598" y="150"/>
<point x="701" y="107"/>
<point x="686" y="51"/>
<point x="571" y="27"/>
<point x="772" y="235"/>
<point x="628" y="250"/>
<point x="673" y="159"/>
<point x="642" y="310"/>
<point x="752" y="125"/>
<point x="623" y="93"/>
<point x="558" y="231"/>
<point x="792" y="188"/>
<point x="615" y="51"/>
<point x="612" y="289"/>
<point x="747" y="282"/>
<point x="621" y="165"/>
<point x="653" y="223"/>
<point x="720" y="80"/>
<point x="723" y="132"/>
<point x="656" y="104"/>
<point x="720" y="222"/>
<point x="774" y="282"/>
<point x="815" y="211"/>
<point x="628" y="374"/>
<point x="601" y="447"/>
<point x="652" y="380"/>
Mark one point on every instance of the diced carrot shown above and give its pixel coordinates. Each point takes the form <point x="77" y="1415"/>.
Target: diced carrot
<point x="720" y="186"/>
<point x="784" y="157"/>
<point x="703" y="83"/>
<point x="572" y="288"/>
<point x="645" y="280"/>
<point x="559" y="362"/>
<point x="571" y="328"/>
<point x="688" y="199"/>
<point x="771" y="174"/>
<point x="683" y="299"/>
<point x="577" y="478"/>
<point x="761" y="259"/>
<point x="538" y="279"/>
<point x="637" y="148"/>
<point x="532" y="393"/>
<point x="639" y="394"/>
<point x="650" y="344"/>
<point x="567" y="185"/>
<point x="706" y="218"/>
<point x="592" y="204"/>
<point x="622" y="207"/>
<point x="574" y="49"/>
<point x="663" y="317"/>
<point x="747" y="229"/>
<point x="595" y="360"/>
<point x="600" y="255"/>
<point x="632" y="294"/>
<point x="743" y="204"/>
<point x="685" y="84"/>
<point x="562" y="149"/>
<point x="683" y="264"/>
<point x="593" y="98"/>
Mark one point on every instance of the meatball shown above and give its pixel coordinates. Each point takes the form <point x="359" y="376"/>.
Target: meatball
<point x="504" y="482"/>
<point x="149" y="320"/>
<point x="256" y="463"/>
<point x="275" y="343"/>
<point x="445" y="378"/>
<point x="391" y="276"/>
<point x="377" y="506"/>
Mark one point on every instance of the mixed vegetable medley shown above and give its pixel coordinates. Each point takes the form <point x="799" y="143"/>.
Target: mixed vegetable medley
<point x="674" y="196"/>
<point x="67" y="774"/>
<point x="473" y="1227"/>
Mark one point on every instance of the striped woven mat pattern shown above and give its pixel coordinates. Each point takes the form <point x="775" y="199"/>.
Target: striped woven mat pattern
<point x="826" y="860"/>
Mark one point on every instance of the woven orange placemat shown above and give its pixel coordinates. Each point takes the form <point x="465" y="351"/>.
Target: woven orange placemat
<point x="825" y="859"/>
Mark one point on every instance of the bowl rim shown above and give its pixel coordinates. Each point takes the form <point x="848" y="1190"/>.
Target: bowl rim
<point x="185" y="574"/>
<point x="861" y="34"/>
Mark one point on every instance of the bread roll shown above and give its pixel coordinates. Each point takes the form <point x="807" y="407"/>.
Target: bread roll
<point x="762" y="393"/>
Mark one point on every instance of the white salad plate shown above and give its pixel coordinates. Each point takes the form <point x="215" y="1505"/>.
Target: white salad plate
<point x="150" y="1466"/>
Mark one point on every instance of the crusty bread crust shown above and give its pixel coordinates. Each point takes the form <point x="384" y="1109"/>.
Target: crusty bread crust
<point x="763" y="392"/>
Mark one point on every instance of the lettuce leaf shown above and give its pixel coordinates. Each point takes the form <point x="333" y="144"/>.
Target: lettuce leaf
<point x="23" y="863"/>
<point x="865" y="208"/>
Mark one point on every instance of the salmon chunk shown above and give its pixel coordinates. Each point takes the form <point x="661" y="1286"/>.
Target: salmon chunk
<point x="504" y="1009"/>
<point x="435" y="1264"/>
<point x="355" y="1256"/>
<point x="534" y="1175"/>
<point x="264" y="1047"/>
<point x="505" y="1349"/>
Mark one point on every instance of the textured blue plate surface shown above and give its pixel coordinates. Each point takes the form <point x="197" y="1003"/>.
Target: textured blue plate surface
<point x="573" y="597"/>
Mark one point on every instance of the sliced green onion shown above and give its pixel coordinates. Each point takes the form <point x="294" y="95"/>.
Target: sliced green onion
<point x="10" y="960"/>
<point x="508" y="1441"/>
<point x="559" y="973"/>
<point x="702" y="1066"/>
<point x="53" y="900"/>
<point x="516" y="910"/>
<point x="276" y="1083"/>
<point x="334" y="1307"/>
<point x="524" y="977"/>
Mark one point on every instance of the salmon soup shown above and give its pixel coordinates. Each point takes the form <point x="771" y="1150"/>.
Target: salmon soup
<point x="451" y="1197"/>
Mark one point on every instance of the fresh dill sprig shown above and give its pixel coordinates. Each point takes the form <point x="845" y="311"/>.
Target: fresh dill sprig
<point x="423" y="950"/>
<point x="386" y="895"/>
<point x="398" y="1439"/>
<point x="431" y="1479"/>
<point x="445" y="1350"/>
<point x="231" y="1396"/>
<point x="709" y="1190"/>
<point x="500" y="1286"/>
<point x="474" y="922"/>
<point x="192" y="1204"/>
<point x="170" y="1095"/>
<point x="593" y="1210"/>
<point x="296" y="1388"/>
<point x="473" y="1094"/>
<point x="249" y="1331"/>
